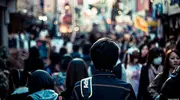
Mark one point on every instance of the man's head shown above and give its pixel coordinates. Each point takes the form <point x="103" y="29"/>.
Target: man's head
<point x="104" y="54"/>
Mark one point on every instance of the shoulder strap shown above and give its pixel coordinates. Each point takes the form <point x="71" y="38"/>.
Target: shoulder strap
<point x="86" y="88"/>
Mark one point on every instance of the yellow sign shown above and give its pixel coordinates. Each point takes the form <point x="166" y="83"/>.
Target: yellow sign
<point x="153" y="23"/>
<point x="141" y="24"/>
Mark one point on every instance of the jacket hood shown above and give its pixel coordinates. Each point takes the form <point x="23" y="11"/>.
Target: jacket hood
<point x="21" y="90"/>
<point x="44" y="95"/>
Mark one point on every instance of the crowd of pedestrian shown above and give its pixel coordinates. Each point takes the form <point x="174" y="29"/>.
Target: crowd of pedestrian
<point x="97" y="66"/>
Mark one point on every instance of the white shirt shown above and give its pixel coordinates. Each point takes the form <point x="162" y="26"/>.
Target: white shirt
<point x="133" y="76"/>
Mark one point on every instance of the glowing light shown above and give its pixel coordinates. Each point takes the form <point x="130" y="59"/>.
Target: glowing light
<point x="69" y="30"/>
<point x="42" y="18"/>
<point x="152" y="1"/>
<point x="56" y="22"/>
<point x="89" y="12"/>
<point x="24" y="10"/>
<point x="119" y="12"/>
<point x="94" y="10"/>
<point x="67" y="7"/>
<point x="76" y="29"/>
<point x="63" y="29"/>
<point x="109" y="21"/>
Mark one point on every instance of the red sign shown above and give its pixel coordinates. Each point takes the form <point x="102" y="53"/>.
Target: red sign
<point x="80" y="2"/>
<point x="143" y="5"/>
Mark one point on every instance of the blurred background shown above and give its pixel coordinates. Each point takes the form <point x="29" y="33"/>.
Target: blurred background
<point x="22" y="21"/>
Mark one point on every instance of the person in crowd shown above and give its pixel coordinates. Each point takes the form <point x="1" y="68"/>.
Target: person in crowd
<point x="60" y="77"/>
<point x="75" y="53"/>
<point x="143" y="53"/>
<point x="4" y="86"/>
<point x="86" y="57"/>
<point x="15" y="59"/>
<point x="4" y="54"/>
<point x="120" y="71"/>
<point x="76" y="71"/>
<point x="103" y="85"/>
<point x="133" y="68"/>
<point x="149" y="72"/>
<point x="170" y="89"/>
<point x="12" y="42"/>
<point x="18" y="81"/>
<point x="172" y="61"/>
<point x="54" y="63"/>
<point x="153" y="43"/>
<point x="62" y="51"/>
<point x="34" y="61"/>
<point x="178" y="45"/>
<point x="41" y="86"/>
<point x="171" y="44"/>
<point x="85" y="50"/>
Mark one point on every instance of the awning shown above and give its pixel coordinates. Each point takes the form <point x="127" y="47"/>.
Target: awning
<point x="27" y="18"/>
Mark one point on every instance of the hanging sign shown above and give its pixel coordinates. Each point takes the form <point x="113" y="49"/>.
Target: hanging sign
<point x="141" y="24"/>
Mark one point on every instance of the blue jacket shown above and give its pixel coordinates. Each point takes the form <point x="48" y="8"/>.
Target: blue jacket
<point x="105" y="86"/>
<point x="44" y="95"/>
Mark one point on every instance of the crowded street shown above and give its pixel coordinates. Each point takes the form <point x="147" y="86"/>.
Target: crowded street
<point x="89" y="49"/>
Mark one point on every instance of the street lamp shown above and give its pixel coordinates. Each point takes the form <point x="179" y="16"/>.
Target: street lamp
<point x="43" y="18"/>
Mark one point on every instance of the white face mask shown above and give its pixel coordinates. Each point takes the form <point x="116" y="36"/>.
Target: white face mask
<point x="157" y="61"/>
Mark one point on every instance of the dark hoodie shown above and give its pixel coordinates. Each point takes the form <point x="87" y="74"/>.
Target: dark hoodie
<point x="41" y="86"/>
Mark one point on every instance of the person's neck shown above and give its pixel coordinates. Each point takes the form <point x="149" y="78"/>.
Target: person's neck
<point x="155" y="66"/>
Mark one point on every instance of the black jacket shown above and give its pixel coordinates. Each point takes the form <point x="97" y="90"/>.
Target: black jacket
<point x="171" y="88"/>
<point x="143" y="93"/>
<point x="105" y="86"/>
<point x="155" y="86"/>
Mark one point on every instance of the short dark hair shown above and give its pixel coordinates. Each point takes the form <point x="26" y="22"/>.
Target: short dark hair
<point x="65" y="62"/>
<point x="86" y="48"/>
<point x="104" y="54"/>
<point x="62" y="51"/>
<point x="75" y="47"/>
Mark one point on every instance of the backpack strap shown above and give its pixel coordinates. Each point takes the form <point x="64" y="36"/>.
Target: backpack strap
<point x="86" y="88"/>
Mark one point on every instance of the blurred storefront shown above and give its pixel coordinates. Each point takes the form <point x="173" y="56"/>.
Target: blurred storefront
<point x="173" y="13"/>
<point x="27" y="12"/>
<point x="171" y="18"/>
<point x="6" y="7"/>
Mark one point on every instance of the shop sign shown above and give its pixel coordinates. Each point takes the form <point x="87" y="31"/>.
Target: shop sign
<point x="141" y="24"/>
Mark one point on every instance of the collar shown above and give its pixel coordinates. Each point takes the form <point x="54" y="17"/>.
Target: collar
<point x="103" y="73"/>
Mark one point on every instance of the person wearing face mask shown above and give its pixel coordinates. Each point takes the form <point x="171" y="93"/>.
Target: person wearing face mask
<point x="149" y="72"/>
<point x="172" y="61"/>
<point x="133" y="68"/>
